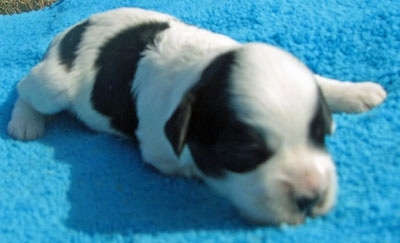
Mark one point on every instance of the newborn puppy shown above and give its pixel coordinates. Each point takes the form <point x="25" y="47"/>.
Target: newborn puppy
<point x="248" y="119"/>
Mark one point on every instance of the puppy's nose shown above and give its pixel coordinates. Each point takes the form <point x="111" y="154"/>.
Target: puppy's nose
<point x="307" y="203"/>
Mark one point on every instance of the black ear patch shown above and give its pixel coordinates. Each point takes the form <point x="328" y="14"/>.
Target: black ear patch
<point x="202" y="101"/>
<point x="206" y="121"/>
<point x="177" y="127"/>
<point x="69" y="44"/>
<point x="321" y="124"/>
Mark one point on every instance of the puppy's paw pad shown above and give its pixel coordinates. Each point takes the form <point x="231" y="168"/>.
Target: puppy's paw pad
<point x="367" y="96"/>
<point x="26" y="130"/>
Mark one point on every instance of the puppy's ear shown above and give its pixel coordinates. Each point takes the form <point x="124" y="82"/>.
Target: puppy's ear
<point x="177" y="126"/>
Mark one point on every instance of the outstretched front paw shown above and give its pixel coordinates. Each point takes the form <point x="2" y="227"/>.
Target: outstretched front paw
<point x="366" y="95"/>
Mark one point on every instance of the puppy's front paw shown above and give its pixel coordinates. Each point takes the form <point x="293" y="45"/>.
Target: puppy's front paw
<point x="26" y="123"/>
<point x="366" y="95"/>
<point x="22" y="129"/>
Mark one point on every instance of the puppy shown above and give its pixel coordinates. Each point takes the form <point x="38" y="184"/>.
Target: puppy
<point x="248" y="119"/>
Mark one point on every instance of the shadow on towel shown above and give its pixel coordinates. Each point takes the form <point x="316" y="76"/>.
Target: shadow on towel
<point x="112" y="191"/>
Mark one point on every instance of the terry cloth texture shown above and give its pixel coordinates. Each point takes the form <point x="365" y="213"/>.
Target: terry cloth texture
<point x="74" y="185"/>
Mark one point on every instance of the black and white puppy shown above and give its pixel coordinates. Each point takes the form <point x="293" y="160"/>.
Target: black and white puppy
<point x="248" y="119"/>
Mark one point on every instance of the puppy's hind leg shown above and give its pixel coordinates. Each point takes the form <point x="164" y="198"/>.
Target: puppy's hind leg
<point x="351" y="97"/>
<point x="39" y="97"/>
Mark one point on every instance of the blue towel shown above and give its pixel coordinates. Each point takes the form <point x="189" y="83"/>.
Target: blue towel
<point x="75" y="185"/>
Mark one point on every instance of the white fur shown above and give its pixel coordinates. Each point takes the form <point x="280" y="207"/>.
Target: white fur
<point x="278" y="98"/>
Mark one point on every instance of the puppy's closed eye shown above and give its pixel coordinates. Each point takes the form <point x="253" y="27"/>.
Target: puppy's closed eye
<point x="243" y="149"/>
<point x="237" y="148"/>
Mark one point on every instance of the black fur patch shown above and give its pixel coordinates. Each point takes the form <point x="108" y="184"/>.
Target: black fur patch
<point x="217" y="140"/>
<point x="69" y="44"/>
<point x="321" y="123"/>
<point x="117" y="64"/>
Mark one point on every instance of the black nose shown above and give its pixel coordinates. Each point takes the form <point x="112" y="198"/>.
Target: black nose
<point x="306" y="204"/>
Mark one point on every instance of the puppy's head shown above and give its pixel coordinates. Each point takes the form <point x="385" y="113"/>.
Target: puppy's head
<point x="255" y="125"/>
